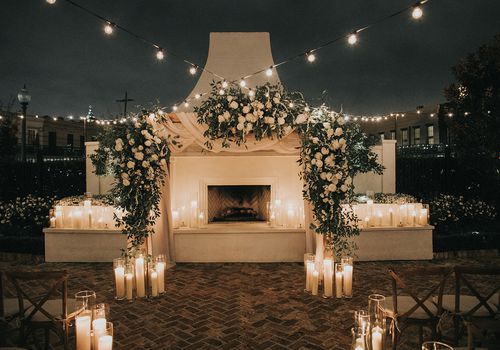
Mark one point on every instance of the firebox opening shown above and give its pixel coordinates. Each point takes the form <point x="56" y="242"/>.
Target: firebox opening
<point x="237" y="203"/>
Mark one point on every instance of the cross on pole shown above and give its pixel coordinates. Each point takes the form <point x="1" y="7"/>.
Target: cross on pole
<point x="125" y="100"/>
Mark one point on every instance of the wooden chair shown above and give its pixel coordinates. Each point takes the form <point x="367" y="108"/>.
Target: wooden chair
<point x="478" y="308"/>
<point x="407" y="307"/>
<point x="47" y="313"/>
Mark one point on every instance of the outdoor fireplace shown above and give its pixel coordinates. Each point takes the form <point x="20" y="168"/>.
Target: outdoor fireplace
<point x="238" y="203"/>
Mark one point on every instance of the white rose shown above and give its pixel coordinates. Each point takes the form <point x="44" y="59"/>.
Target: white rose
<point x="323" y="176"/>
<point x="276" y="100"/>
<point x="240" y="126"/>
<point x="326" y="125"/>
<point x="137" y="125"/>
<point x="119" y="141"/>
<point x="250" y="117"/>
<point x="163" y="161"/>
<point x="126" y="182"/>
<point x="329" y="133"/>
<point x="147" y="143"/>
<point x="233" y="105"/>
<point x="226" y="115"/>
<point x="144" y="132"/>
<point x="241" y="119"/>
<point x="220" y="118"/>
<point x="344" y="188"/>
<point x="319" y="163"/>
<point x="348" y="181"/>
<point x="246" y="109"/>
<point x="139" y="156"/>
<point x="229" y="98"/>
<point x="157" y="140"/>
<point x="124" y="175"/>
<point x="338" y="131"/>
<point x="341" y="120"/>
<point x="338" y="175"/>
<point x="118" y="147"/>
<point x="154" y="157"/>
<point x="315" y="140"/>
<point x="281" y="121"/>
<point x="335" y="144"/>
<point x="342" y="142"/>
<point x="325" y="150"/>
<point x="249" y="126"/>
<point x="329" y="176"/>
<point x="318" y="155"/>
<point x="130" y="164"/>
<point x="145" y="164"/>
<point x="131" y="142"/>
<point x="268" y="105"/>
<point x="332" y="188"/>
<point x="301" y="118"/>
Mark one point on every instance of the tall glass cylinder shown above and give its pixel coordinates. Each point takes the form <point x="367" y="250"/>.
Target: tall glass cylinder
<point x="378" y="332"/>
<point x="84" y="300"/>
<point x="347" y="267"/>
<point x="100" y="310"/>
<point x="435" y="345"/>
<point x="102" y="335"/>
<point x="161" y="266"/>
<point x="310" y="268"/>
<point x="339" y="276"/>
<point x="153" y="280"/>
<point x="362" y="321"/>
<point x="129" y="280"/>
<point x="359" y="340"/>
<point x="119" y="270"/>
<point x="140" y="275"/>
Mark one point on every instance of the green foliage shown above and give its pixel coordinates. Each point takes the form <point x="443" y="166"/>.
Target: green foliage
<point x="270" y="113"/>
<point x="361" y="158"/>
<point x="136" y="155"/>
<point x="477" y="92"/>
<point x="8" y="136"/>
<point x="24" y="215"/>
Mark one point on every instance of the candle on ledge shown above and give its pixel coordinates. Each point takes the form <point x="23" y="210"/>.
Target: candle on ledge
<point x="379" y="216"/>
<point x="99" y="327"/>
<point x="105" y="342"/>
<point x="315" y="282"/>
<point x="309" y="272"/>
<point x="154" y="283"/>
<point x="59" y="216"/>
<point x="82" y="325"/>
<point x="139" y="277"/>
<point x="377" y="338"/>
<point x="348" y="269"/>
<point x="175" y="219"/>
<point x="77" y="217"/>
<point x="367" y="221"/>
<point x="391" y="216"/>
<point x="87" y="210"/>
<point x="339" y="274"/>
<point x="52" y="222"/>
<point x="328" y="277"/>
<point x="402" y="214"/>
<point x="413" y="218"/>
<point x="423" y="217"/>
<point x="129" y="282"/>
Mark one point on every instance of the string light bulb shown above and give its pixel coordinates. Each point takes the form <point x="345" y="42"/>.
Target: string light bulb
<point x="352" y="39"/>
<point x="224" y="84"/>
<point x="192" y="70"/>
<point x="197" y="96"/>
<point x="417" y="12"/>
<point x="251" y="93"/>
<point x="174" y="108"/>
<point x="51" y="2"/>
<point x="243" y="83"/>
<point x="269" y="71"/>
<point x="160" y="55"/>
<point x="311" y="57"/>
<point x="108" y="28"/>
<point x="222" y="92"/>
<point x="186" y="104"/>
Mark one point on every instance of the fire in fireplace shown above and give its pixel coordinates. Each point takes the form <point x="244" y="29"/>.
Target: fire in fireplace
<point x="238" y="203"/>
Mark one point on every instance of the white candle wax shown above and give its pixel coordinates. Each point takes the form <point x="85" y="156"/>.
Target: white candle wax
<point x="402" y="215"/>
<point x="379" y="216"/>
<point x="82" y="325"/>
<point x="139" y="277"/>
<point x="377" y="333"/>
<point x="120" y="281"/>
<point x="391" y="217"/>
<point x="175" y="218"/>
<point x="154" y="283"/>
<point x="367" y="221"/>
<point x="423" y="217"/>
<point x="314" y="282"/>
<point x="309" y="272"/>
<point x="87" y="209"/>
<point x="99" y="327"/>
<point x="328" y="277"/>
<point x="338" y="284"/>
<point x="77" y="217"/>
<point x="347" y="280"/>
<point x="59" y="216"/>
<point x="53" y="222"/>
<point x="130" y="285"/>
<point x="105" y="342"/>
<point x="413" y="218"/>
<point x="160" y="269"/>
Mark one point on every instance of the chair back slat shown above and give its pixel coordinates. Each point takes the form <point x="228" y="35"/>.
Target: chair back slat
<point x="399" y="281"/>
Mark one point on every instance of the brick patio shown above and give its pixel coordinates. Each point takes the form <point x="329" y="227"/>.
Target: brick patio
<point x="237" y="306"/>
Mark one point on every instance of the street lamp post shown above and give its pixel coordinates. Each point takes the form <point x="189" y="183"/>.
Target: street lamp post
<point x="24" y="99"/>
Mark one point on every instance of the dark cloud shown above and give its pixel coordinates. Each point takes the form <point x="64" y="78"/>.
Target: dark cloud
<point x="67" y="62"/>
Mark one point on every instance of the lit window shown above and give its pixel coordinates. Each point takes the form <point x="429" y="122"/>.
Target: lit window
<point x="404" y="136"/>
<point x="416" y="135"/>
<point x="430" y="134"/>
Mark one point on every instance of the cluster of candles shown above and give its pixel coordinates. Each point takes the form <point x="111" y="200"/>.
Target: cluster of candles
<point x="93" y="330"/>
<point x="370" y="326"/>
<point x="140" y="277"/>
<point x="390" y="215"/>
<point x="86" y="216"/>
<point x="287" y="214"/>
<point x="336" y="278"/>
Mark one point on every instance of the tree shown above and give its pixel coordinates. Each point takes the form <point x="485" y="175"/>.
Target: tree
<point x="8" y="129"/>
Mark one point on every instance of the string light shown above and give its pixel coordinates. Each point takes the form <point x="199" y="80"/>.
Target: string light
<point x="160" y="55"/>
<point x="269" y="71"/>
<point x="222" y="92"/>
<point x="251" y="93"/>
<point x="108" y="28"/>
<point x="417" y="12"/>
<point x="243" y="83"/>
<point x="306" y="109"/>
<point x="290" y="105"/>
<point x="352" y="39"/>
<point x="55" y="119"/>
<point x="192" y="70"/>
<point x="51" y="2"/>
<point x="311" y="57"/>
<point x="186" y="104"/>
<point x="21" y="116"/>
<point x="197" y="96"/>
<point x="174" y="108"/>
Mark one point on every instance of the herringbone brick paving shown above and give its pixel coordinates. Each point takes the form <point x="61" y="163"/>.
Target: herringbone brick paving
<point x="236" y="306"/>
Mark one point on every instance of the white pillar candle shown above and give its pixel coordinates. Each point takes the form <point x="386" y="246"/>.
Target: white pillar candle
<point x="338" y="283"/>
<point x="411" y="209"/>
<point x="99" y="327"/>
<point x="367" y="221"/>
<point x="369" y="207"/>
<point x="309" y="272"/>
<point x="53" y="222"/>
<point x="160" y="269"/>
<point x="315" y="282"/>
<point x="423" y="217"/>
<point x="105" y="342"/>
<point x="402" y="215"/>
<point x="87" y="208"/>
<point x="77" y="217"/>
<point x="377" y="336"/>
<point x="139" y="277"/>
<point x="59" y="216"/>
<point x="379" y="216"/>
<point x="175" y="219"/>
<point x="413" y="218"/>
<point x="347" y="280"/>
<point x="130" y="285"/>
<point x="391" y="217"/>
<point x="154" y="283"/>
<point x="82" y="325"/>
<point x="120" y="281"/>
<point x="328" y="277"/>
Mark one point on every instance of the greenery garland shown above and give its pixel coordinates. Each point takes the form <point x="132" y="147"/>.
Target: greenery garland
<point x="135" y="154"/>
<point x="267" y="111"/>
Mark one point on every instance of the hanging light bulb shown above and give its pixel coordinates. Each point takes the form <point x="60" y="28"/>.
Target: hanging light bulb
<point x="306" y="109"/>
<point x="174" y="108"/>
<point x="160" y="55"/>
<point x="186" y="104"/>
<point x="269" y="71"/>
<point x="243" y="83"/>
<point x="352" y="39"/>
<point x="192" y="70"/>
<point x="51" y="2"/>
<point x="417" y="12"/>
<point x="222" y="92"/>
<point x="197" y="96"/>
<point x="311" y="57"/>
<point x="224" y="84"/>
<point x="108" y="28"/>
<point x="291" y="105"/>
<point x="251" y="93"/>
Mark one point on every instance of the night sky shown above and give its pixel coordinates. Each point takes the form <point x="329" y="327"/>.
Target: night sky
<point x="68" y="63"/>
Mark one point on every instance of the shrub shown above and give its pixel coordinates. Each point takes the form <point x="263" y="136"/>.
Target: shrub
<point x="24" y="215"/>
